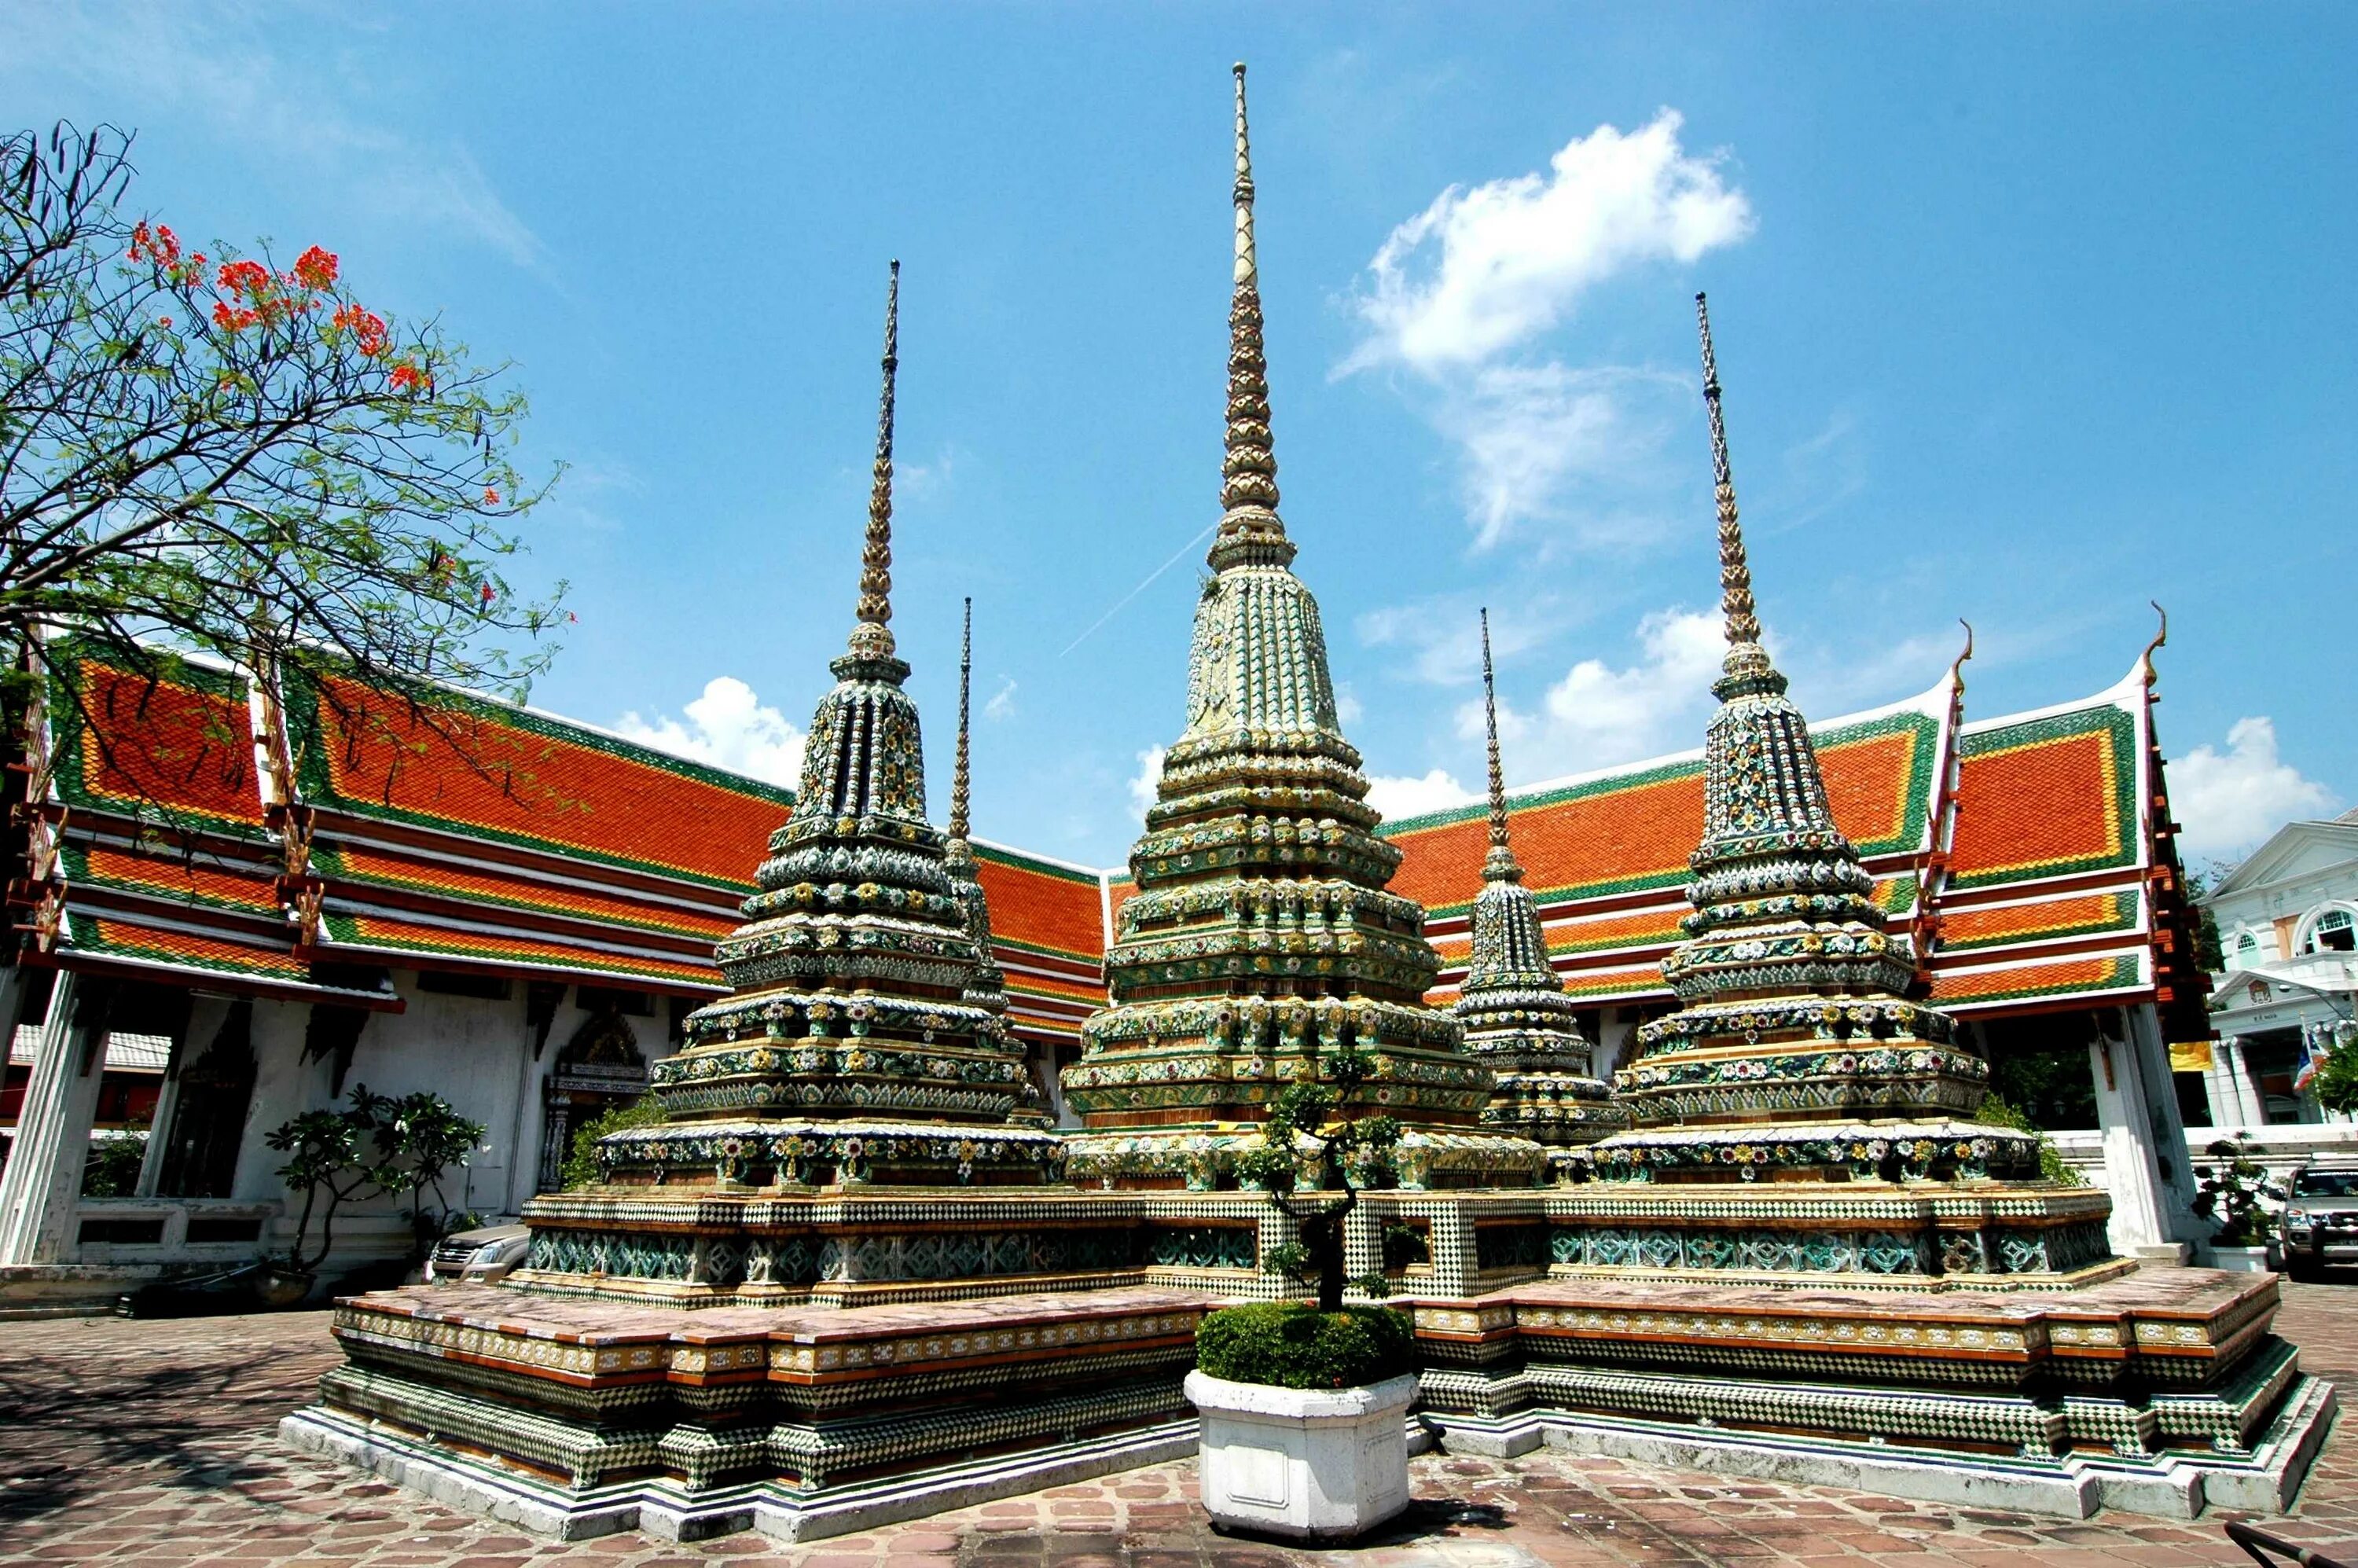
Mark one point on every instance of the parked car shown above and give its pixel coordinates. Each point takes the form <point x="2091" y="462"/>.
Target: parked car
<point x="2320" y="1218"/>
<point x="478" y="1256"/>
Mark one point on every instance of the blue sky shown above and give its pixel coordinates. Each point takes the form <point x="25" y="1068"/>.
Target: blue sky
<point x="2026" y="315"/>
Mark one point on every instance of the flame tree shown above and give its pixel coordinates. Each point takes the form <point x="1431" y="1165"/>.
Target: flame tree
<point x="203" y="451"/>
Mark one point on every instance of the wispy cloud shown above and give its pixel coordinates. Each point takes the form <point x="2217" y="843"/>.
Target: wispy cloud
<point x="222" y="67"/>
<point x="1002" y="701"/>
<point x="1460" y="297"/>
<point x="729" y="727"/>
<point x="2228" y="801"/>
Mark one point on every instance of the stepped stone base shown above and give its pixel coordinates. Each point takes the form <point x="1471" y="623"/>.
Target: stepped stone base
<point x="906" y="1382"/>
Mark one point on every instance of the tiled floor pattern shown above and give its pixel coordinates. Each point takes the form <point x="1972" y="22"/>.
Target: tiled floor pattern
<point x="150" y="1442"/>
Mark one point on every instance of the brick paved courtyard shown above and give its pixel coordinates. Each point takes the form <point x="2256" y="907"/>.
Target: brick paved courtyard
<point x="152" y="1441"/>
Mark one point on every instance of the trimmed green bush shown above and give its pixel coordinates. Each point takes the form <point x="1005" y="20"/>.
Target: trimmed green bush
<point x="1293" y="1344"/>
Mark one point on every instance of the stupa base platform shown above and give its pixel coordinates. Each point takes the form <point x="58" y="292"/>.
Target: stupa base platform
<point x="2077" y="1485"/>
<point x="661" y="1507"/>
<point x="2159" y="1390"/>
<point x="575" y="1417"/>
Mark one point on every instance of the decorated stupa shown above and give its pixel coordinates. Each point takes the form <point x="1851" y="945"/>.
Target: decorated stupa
<point x="1261" y="936"/>
<point x="1796" y="1046"/>
<point x="864" y="1038"/>
<point x="1518" y="1020"/>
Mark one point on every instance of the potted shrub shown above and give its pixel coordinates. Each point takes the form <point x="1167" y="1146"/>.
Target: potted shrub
<point x="2235" y="1194"/>
<point x="1305" y="1408"/>
<point x="1304" y="1417"/>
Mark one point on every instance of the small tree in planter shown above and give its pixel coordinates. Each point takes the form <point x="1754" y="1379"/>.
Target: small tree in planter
<point x="1305" y="1408"/>
<point x="2234" y="1194"/>
<point x="1311" y="1127"/>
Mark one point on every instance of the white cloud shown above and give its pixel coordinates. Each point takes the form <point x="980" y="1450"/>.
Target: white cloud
<point x="2227" y="801"/>
<point x="729" y="728"/>
<point x="1459" y="295"/>
<point x="1598" y="716"/>
<point x="1483" y="270"/>
<point x="1348" y="710"/>
<point x="1403" y="797"/>
<point x="1002" y="701"/>
<point x="1143" y="783"/>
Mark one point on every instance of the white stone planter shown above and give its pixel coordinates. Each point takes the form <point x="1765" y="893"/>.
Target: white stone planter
<point x="1315" y="1464"/>
<point x="2240" y="1259"/>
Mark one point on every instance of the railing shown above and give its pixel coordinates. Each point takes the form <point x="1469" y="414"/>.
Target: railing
<point x="2269" y="1550"/>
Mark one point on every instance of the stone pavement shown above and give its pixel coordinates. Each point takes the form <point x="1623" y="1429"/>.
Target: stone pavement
<point x="151" y="1442"/>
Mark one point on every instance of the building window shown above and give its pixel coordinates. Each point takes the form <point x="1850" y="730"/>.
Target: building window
<point x="2245" y="952"/>
<point x="2335" y="931"/>
<point x="462" y="982"/>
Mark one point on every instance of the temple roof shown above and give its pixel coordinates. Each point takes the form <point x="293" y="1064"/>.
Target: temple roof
<point x="2038" y="854"/>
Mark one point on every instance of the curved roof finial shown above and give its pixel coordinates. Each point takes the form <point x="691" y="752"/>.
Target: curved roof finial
<point x="2145" y="660"/>
<point x="1957" y="666"/>
<point x="958" y="778"/>
<point x="871" y="636"/>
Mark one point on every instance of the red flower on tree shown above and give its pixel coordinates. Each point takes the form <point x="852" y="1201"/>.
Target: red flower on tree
<point x="406" y="378"/>
<point x="250" y="278"/>
<point x="369" y="327"/>
<point x="315" y="268"/>
<point x="490" y="497"/>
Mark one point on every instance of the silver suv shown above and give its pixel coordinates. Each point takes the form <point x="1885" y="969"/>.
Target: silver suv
<point x="2320" y="1218"/>
<point x="478" y="1257"/>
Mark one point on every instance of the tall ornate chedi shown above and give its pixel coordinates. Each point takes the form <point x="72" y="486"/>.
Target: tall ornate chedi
<point x="860" y="1042"/>
<point x="1261" y="936"/>
<point x="1518" y="1020"/>
<point x="1794" y="1021"/>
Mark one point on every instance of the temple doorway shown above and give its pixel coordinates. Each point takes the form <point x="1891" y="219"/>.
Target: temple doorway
<point x="600" y="1068"/>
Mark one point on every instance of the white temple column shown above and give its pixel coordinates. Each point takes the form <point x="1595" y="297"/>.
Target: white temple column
<point x="205" y="1015"/>
<point x="38" y="1189"/>
<point x="2142" y="1023"/>
<point x="2141" y="1206"/>
<point x="2219" y="1086"/>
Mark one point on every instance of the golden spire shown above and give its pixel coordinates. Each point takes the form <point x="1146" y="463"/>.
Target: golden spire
<point x="1249" y="532"/>
<point x="958" y="775"/>
<point x="872" y="637"/>
<point x="1501" y="860"/>
<point x="1746" y="658"/>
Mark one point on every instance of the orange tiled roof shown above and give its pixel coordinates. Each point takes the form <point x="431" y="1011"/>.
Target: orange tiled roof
<point x="2035" y="981"/>
<point x="2048" y="919"/>
<point x="1041" y="905"/>
<point x="2047" y="796"/>
<point x="350" y="865"/>
<point x="180" y="747"/>
<point x="527" y="779"/>
<point x="1632" y="831"/>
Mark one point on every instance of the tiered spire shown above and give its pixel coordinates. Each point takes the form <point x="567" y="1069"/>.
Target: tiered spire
<point x="1263" y="938"/>
<point x="988" y="989"/>
<point x="872" y="630"/>
<point x="1251" y="531"/>
<point x="1793" y="994"/>
<point x="859" y="1041"/>
<point x="1516" y="1017"/>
